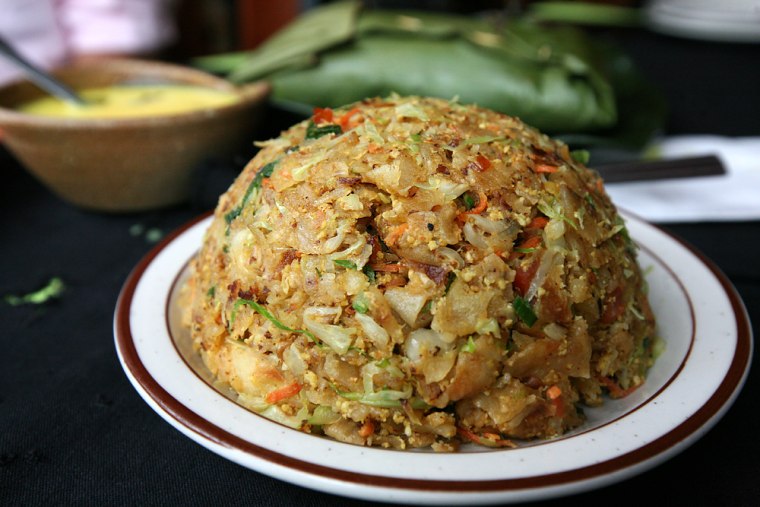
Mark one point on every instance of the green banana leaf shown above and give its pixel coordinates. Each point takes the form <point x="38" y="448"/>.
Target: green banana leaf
<point x="554" y="78"/>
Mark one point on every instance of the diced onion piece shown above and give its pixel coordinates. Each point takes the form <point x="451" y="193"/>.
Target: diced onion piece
<point x="410" y="110"/>
<point x="430" y="354"/>
<point x="323" y="415"/>
<point x="293" y="360"/>
<point x="450" y="255"/>
<point x="435" y="368"/>
<point x="407" y="304"/>
<point x="333" y="243"/>
<point x="555" y="331"/>
<point x="355" y="248"/>
<point x="386" y="395"/>
<point x="554" y="230"/>
<point x="547" y="259"/>
<point x="240" y="247"/>
<point x="372" y="368"/>
<point x="421" y="342"/>
<point x="350" y="202"/>
<point x="488" y="326"/>
<point x="373" y="330"/>
<point x="336" y="337"/>
<point x="255" y="403"/>
<point x="490" y="226"/>
<point x="276" y="414"/>
<point x="448" y="188"/>
<point x="369" y="370"/>
<point x="473" y="237"/>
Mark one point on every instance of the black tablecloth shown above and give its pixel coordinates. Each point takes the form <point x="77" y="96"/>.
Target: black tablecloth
<point x="74" y="431"/>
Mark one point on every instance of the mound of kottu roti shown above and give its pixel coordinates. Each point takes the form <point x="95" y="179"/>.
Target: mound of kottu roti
<point x="410" y="272"/>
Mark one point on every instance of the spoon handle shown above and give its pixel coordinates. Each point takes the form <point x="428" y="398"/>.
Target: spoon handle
<point x="42" y="80"/>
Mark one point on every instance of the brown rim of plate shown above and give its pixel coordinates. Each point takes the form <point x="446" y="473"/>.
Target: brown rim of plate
<point x="706" y="414"/>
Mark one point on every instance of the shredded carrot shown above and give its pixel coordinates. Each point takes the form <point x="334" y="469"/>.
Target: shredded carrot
<point x="479" y="208"/>
<point x="267" y="183"/>
<point x="538" y="223"/>
<point x="285" y="173"/>
<point x="367" y="429"/>
<point x="283" y="393"/>
<point x="482" y="204"/>
<point x="395" y="234"/>
<point x="553" y="392"/>
<point x="388" y="268"/>
<point x="374" y="148"/>
<point x="345" y="120"/>
<point x="483" y="162"/>
<point x="600" y="185"/>
<point x="395" y="280"/>
<point x="559" y="407"/>
<point x="615" y="390"/>
<point x="486" y="441"/>
<point x="523" y="277"/>
<point x="531" y="242"/>
<point x="546" y="168"/>
<point x="323" y="115"/>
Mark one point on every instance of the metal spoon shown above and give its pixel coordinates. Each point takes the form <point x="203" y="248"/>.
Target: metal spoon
<point x="41" y="78"/>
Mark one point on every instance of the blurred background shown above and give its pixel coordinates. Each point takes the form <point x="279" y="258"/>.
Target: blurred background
<point x="73" y="430"/>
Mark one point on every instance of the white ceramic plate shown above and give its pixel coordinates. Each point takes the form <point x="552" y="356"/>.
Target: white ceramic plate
<point x="700" y="317"/>
<point x="726" y="21"/>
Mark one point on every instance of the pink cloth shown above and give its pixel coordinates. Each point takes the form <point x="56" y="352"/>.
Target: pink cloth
<point x="49" y="32"/>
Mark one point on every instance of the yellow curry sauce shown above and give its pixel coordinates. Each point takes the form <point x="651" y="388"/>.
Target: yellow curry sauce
<point x="132" y="101"/>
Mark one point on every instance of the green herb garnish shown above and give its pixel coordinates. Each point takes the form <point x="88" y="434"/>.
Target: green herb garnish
<point x="482" y="140"/>
<point x="553" y="210"/>
<point x="345" y="263"/>
<point x="260" y="309"/>
<point x="264" y="172"/>
<point x="524" y="311"/>
<point x="385" y="398"/>
<point x="360" y="304"/>
<point x="371" y="276"/>
<point x="469" y="347"/>
<point x="449" y="280"/>
<point x="582" y="156"/>
<point x="468" y="200"/>
<point x="623" y="231"/>
<point x="154" y="235"/>
<point x="314" y="131"/>
<point x="52" y="290"/>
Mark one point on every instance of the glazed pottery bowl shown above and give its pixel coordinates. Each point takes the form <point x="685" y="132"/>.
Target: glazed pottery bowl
<point x="126" y="164"/>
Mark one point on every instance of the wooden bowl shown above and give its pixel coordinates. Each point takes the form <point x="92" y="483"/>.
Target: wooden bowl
<point x="126" y="164"/>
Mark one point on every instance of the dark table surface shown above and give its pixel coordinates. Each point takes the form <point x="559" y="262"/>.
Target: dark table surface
<point x="74" y="431"/>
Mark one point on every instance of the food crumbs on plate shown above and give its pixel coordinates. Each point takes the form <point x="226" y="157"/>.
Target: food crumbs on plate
<point x="136" y="229"/>
<point x="151" y="235"/>
<point x="154" y="235"/>
<point x="403" y="280"/>
<point x="53" y="290"/>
